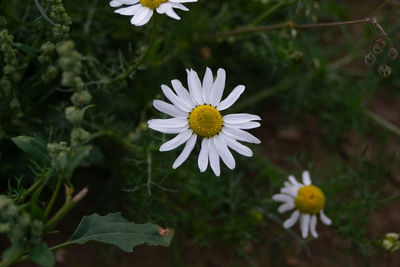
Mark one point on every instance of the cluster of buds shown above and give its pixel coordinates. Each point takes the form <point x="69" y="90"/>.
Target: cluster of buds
<point x="18" y="225"/>
<point x="58" y="154"/>
<point x="390" y="242"/>
<point x="61" y="18"/>
<point x="378" y="45"/>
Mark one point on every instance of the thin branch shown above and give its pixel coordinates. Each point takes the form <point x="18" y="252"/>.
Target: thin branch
<point x="43" y="13"/>
<point x="292" y="24"/>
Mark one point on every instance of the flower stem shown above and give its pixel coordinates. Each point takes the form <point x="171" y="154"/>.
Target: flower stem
<point x="389" y="199"/>
<point x="381" y="121"/>
<point x="55" y="194"/>
<point x="68" y="205"/>
<point x="132" y="68"/>
<point x="292" y="24"/>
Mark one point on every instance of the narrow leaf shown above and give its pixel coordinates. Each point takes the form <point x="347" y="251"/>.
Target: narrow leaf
<point x="32" y="146"/>
<point x="114" y="229"/>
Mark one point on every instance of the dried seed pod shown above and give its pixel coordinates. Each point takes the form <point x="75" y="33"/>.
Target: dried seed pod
<point x="393" y="53"/>
<point x="369" y="59"/>
<point x="385" y="71"/>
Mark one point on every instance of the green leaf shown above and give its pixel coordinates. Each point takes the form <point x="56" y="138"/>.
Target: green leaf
<point x="114" y="229"/>
<point x="42" y="255"/>
<point x="10" y="252"/>
<point x="76" y="159"/>
<point x="32" y="146"/>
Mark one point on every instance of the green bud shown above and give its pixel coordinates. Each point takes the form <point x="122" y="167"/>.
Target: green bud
<point x="81" y="98"/>
<point x="50" y="73"/>
<point x="79" y="136"/>
<point x="58" y="154"/>
<point x="74" y="115"/>
<point x="297" y="56"/>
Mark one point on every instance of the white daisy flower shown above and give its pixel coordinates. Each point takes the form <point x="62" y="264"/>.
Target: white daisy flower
<point x="196" y="114"/>
<point x="307" y="200"/>
<point x="142" y="10"/>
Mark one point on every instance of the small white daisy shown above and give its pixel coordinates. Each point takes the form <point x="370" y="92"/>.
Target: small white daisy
<point x="196" y="113"/>
<point x="307" y="199"/>
<point x="142" y="10"/>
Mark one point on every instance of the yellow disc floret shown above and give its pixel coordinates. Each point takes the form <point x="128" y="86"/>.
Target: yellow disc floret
<point x="205" y="121"/>
<point x="152" y="4"/>
<point x="310" y="199"/>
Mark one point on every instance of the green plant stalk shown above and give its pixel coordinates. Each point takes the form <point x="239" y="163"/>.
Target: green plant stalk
<point x="14" y="257"/>
<point x="389" y="199"/>
<point x="68" y="205"/>
<point x="382" y="122"/>
<point x="31" y="188"/>
<point x="55" y="194"/>
<point x="132" y="68"/>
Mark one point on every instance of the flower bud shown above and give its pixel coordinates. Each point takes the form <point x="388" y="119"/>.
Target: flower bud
<point x="74" y="115"/>
<point x="369" y="59"/>
<point x="58" y="155"/>
<point x="390" y="242"/>
<point x="79" y="136"/>
<point x="377" y="48"/>
<point x="393" y="53"/>
<point x="385" y="71"/>
<point x="81" y="98"/>
<point x="297" y="56"/>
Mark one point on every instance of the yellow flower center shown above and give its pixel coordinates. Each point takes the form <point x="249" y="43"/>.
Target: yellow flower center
<point x="152" y="4"/>
<point x="205" y="121"/>
<point x="310" y="199"/>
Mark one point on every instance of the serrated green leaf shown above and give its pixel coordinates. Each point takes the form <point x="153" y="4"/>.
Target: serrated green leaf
<point x="114" y="229"/>
<point x="75" y="160"/>
<point x="42" y="255"/>
<point x="32" y="146"/>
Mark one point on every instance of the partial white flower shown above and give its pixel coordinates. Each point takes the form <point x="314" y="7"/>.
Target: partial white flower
<point x="196" y="114"/>
<point x="307" y="200"/>
<point x="142" y="10"/>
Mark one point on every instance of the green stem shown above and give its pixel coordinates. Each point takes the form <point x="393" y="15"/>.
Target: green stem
<point x="382" y="122"/>
<point x="62" y="245"/>
<point x="389" y="199"/>
<point x="55" y="194"/>
<point x="132" y="68"/>
<point x="379" y="8"/>
<point x="68" y="205"/>
<point x="44" y="14"/>
<point x="31" y="188"/>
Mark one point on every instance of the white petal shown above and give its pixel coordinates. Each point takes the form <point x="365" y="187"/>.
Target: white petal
<point x="293" y="180"/>
<point x="240" y="135"/>
<point x="238" y="147"/>
<point x="169" y="109"/>
<point x="182" y="92"/>
<point x="128" y="11"/>
<point x="285" y="207"/>
<point x="290" y="191"/>
<point x="304" y="224"/>
<point x="166" y="130"/>
<point x="313" y="226"/>
<point x="231" y="98"/>
<point x="240" y="118"/>
<point x="176" y="141"/>
<point x="245" y="125"/>
<point x="182" y="1"/>
<point x="207" y="85"/>
<point x="177" y="101"/>
<point x="292" y="219"/>
<point x="194" y="87"/>
<point x="115" y="3"/>
<point x="145" y="19"/>
<point x="203" y="156"/>
<point x="167" y="9"/>
<point x="140" y="15"/>
<point x="169" y="123"/>
<point x="186" y="151"/>
<point x="218" y="88"/>
<point x="214" y="158"/>
<point x="282" y="198"/>
<point x="179" y="6"/>
<point x="306" y="178"/>
<point x="325" y="220"/>
<point x="224" y="152"/>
